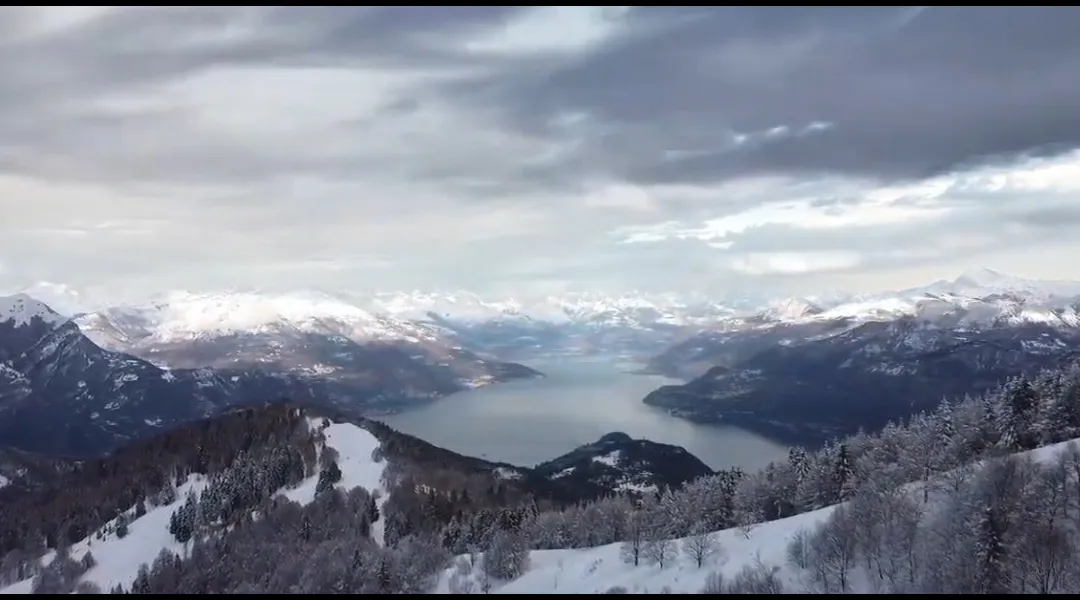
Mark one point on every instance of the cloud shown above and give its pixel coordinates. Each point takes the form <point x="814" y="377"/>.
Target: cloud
<point x="549" y="29"/>
<point x="530" y="149"/>
<point x="790" y="263"/>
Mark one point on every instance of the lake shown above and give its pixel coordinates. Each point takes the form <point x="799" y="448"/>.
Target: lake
<point x="531" y="421"/>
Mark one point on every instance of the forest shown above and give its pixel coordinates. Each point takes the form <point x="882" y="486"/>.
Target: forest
<point x="938" y="504"/>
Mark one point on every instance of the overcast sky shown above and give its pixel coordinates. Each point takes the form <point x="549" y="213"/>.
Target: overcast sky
<point x="527" y="150"/>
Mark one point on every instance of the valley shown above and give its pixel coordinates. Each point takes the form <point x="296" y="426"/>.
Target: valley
<point x="388" y="300"/>
<point x="579" y="399"/>
<point x="796" y="370"/>
<point x="375" y="441"/>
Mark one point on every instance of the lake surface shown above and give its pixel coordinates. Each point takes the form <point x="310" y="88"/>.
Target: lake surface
<point x="531" y="421"/>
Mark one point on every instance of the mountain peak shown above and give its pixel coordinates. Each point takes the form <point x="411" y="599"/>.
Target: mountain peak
<point x="790" y="309"/>
<point x="982" y="276"/>
<point x="22" y="309"/>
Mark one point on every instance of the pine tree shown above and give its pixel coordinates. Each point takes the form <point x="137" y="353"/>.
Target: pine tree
<point x="121" y="525"/>
<point x="328" y="476"/>
<point x="843" y="474"/>
<point x="141" y="585"/>
<point x="800" y="466"/>
<point x="946" y="423"/>
<point x="1019" y="402"/>
<point x="183" y="522"/>
<point x="372" y="510"/>
<point x="990" y="552"/>
<point x="305" y="528"/>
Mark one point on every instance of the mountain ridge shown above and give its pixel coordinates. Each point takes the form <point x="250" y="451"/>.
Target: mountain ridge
<point x="633" y="324"/>
<point x="60" y="390"/>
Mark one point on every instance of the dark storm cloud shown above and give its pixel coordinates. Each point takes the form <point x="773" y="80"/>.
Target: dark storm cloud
<point x="894" y="92"/>
<point x="49" y="125"/>
<point x="907" y="92"/>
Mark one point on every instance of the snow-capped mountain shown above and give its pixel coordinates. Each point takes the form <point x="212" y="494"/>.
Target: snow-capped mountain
<point x="986" y="282"/>
<point x="304" y="334"/>
<point x="807" y="381"/>
<point x="982" y="298"/>
<point x="61" y="392"/>
<point x="631" y="324"/>
<point x="447" y="324"/>
<point x="423" y="345"/>
<point x="977" y="301"/>
<point x="183" y="317"/>
<point x="22" y="310"/>
<point x="804" y="372"/>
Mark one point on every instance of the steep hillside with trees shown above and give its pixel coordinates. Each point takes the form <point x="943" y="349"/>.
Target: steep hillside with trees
<point x="930" y="505"/>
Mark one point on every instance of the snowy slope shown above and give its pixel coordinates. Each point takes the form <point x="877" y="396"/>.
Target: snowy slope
<point x="355" y="447"/>
<point x="21" y="309"/>
<point x="596" y="570"/>
<point x="118" y="559"/>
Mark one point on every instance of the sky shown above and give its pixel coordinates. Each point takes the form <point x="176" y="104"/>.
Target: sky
<point x="536" y="150"/>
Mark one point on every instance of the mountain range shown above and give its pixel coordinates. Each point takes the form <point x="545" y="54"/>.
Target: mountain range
<point x="87" y="385"/>
<point x="638" y="325"/>
<point x="805" y="373"/>
<point x="802" y="369"/>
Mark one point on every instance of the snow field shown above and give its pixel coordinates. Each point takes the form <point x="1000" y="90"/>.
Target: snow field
<point x="118" y="560"/>
<point x="596" y="570"/>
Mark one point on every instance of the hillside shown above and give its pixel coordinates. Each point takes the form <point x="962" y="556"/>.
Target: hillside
<point x="620" y="463"/>
<point x="756" y="559"/>
<point x="808" y="391"/>
<point x="951" y="502"/>
<point x="290" y="455"/>
<point x="282" y="500"/>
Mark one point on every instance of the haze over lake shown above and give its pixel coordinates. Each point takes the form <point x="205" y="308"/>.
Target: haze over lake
<point x="528" y="422"/>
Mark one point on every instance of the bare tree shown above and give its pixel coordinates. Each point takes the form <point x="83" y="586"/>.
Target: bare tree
<point x="461" y="581"/>
<point x="834" y="551"/>
<point x="700" y="547"/>
<point x="485" y="581"/>
<point x="1046" y="555"/>
<point x="661" y="552"/>
<point x="799" y="549"/>
<point x="633" y="546"/>
<point x="954" y="479"/>
<point x="508" y="556"/>
<point x="87" y="587"/>
<point x="748" y="501"/>
<point x="756" y="578"/>
<point x="714" y="584"/>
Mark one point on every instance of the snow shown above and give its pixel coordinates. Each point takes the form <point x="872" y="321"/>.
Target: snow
<point x="789" y="309"/>
<point x="8" y="372"/>
<point x="611" y="459"/>
<point x="977" y="298"/>
<point x="505" y="473"/>
<point x="355" y="446"/>
<point x="596" y="570"/>
<point x="119" y="559"/>
<point x="22" y="309"/>
<point x="187" y="316"/>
